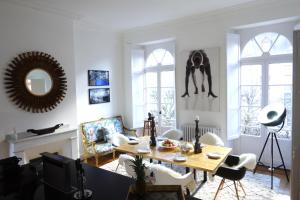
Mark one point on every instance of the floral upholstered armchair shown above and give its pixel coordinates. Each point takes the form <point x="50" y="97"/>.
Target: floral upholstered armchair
<point x="97" y="136"/>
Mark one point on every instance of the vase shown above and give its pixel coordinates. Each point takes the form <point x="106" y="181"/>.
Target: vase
<point x="140" y="187"/>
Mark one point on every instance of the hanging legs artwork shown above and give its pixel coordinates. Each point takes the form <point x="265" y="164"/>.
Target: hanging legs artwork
<point x="198" y="60"/>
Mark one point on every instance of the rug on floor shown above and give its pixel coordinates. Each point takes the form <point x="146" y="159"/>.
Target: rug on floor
<point x="257" y="186"/>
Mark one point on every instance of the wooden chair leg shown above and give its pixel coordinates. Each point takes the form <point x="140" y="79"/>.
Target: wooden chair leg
<point x="236" y="190"/>
<point x="242" y="187"/>
<point x="114" y="154"/>
<point x="221" y="183"/>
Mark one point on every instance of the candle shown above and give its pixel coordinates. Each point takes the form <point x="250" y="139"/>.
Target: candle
<point x="197" y="118"/>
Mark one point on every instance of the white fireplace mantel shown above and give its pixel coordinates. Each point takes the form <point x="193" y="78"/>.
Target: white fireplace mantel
<point x="21" y="143"/>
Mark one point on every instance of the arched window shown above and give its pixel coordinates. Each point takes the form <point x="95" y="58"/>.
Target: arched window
<point x="270" y="42"/>
<point x="265" y="78"/>
<point x="159" y="57"/>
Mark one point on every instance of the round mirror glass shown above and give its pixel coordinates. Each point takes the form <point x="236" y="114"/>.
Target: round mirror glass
<point x="38" y="82"/>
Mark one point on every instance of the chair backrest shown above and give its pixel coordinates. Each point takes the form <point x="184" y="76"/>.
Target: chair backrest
<point x="127" y="161"/>
<point x="211" y="139"/>
<point x="247" y="160"/>
<point x="118" y="139"/>
<point x="165" y="176"/>
<point x="173" y="134"/>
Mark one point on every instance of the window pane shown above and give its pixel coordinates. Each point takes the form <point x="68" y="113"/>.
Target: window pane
<point x="151" y="95"/>
<point x="152" y="108"/>
<point x="280" y="73"/>
<point x="265" y="40"/>
<point x="168" y="95"/>
<point x="168" y="59"/>
<point x="250" y="95"/>
<point x="151" y="62"/>
<point x="250" y="74"/>
<point x="249" y="122"/>
<point x="168" y="111"/>
<point x="151" y="79"/>
<point x="251" y="50"/>
<point x="281" y="46"/>
<point x="159" y="55"/>
<point x="168" y="79"/>
<point x="281" y="94"/>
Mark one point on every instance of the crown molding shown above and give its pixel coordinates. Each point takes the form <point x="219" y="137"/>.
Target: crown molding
<point x="211" y="15"/>
<point x="45" y="8"/>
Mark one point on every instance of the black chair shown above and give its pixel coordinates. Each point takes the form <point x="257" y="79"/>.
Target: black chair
<point x="234" y="169"/>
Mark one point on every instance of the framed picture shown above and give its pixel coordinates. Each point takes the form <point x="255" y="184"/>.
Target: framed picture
<point x="98" y="78"/>
<point x="99" y="95"/>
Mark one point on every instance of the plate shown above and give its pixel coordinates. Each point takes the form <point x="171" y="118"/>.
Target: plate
<point x="213" y="155"/>
<point x="133" y="142"/>
<point x="143" y="150"/>
<point x="180" y="158"/>
<point x="167" y="147"/>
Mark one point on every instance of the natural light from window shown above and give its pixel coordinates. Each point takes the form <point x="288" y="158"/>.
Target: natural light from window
<point x="265" y="78"/>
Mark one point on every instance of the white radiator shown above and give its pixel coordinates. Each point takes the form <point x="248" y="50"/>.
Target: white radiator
<point x="189" y="131"/>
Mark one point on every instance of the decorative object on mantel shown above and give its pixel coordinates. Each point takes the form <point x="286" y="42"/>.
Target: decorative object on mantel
<point x="152" y="130"/>
<point x="45" y="130"/>
<point x="35" y="82"/>
<point x="99" y="95"/>
<point x="197" y="148"/>
<point x="98" y="78"/>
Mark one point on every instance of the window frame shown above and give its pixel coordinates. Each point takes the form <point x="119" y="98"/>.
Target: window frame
<point x="264" y="60"/>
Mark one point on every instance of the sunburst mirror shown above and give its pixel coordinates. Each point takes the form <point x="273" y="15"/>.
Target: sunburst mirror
<point x="35" y="82"/>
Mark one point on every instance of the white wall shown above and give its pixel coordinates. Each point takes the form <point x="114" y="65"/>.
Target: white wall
<point x="24" y="29"/>
<point x="98" y="50"/>
<point x="199" y="32"/>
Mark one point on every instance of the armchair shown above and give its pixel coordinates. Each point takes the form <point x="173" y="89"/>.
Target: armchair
<point x="97" y="136"/>
<point x="234" y="169"/>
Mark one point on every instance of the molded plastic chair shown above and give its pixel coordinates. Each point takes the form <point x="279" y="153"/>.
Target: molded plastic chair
<point x="166" y="176"/>
<point x="173" y="134"/>
<point x="234" y="169"/>
<point x="211" y="139"/>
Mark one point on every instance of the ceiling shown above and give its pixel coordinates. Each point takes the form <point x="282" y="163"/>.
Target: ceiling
<point x="127" y="14"/>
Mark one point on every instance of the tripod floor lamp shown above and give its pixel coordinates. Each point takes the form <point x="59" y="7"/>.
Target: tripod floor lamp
<point x="270" y="116"/>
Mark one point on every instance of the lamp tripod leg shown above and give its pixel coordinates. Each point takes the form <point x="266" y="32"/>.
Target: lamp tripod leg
<point x="261" y="153"/>
<point x="272" y="169"/>
<point x="285" y="171"/>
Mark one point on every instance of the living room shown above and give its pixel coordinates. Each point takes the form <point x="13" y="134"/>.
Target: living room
<point x="82" y="42"/>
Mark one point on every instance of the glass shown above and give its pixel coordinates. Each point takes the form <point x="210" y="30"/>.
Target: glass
<point x="151" y="95"/>
<point x="281" y="94"/>
<point x="249" y="115"/>
<point x="280" y="73"/>
<point x="281" y="46"/>
<point x="250" y="95"/>
<point x="251" y="50"/>
<point x="251" y="75"/>
<point x="151" y="61"/>
<point x="168" y="79"/>
<point x="265" y="40"/>
<point x="151" y="79"/>
<point x="38" y="82"/>
<point x="168" y="59"/>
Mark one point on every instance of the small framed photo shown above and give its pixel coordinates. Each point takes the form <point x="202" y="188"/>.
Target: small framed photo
<point x="99" y="95"/>
<point x="98" y="78"/>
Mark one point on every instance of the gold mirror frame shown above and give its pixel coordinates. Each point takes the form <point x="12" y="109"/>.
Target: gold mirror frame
<point x="17" y="91"/>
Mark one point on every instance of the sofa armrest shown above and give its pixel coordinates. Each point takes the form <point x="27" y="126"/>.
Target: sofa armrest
<point x="131" y="132"/>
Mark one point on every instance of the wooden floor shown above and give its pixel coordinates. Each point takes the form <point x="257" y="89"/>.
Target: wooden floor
<point x="284" y="186"/>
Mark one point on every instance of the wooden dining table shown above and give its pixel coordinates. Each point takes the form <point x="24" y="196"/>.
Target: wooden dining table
<point x="199" y="161"/>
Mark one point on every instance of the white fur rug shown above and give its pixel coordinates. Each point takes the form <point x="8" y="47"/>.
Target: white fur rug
<point x="257" y="186"/>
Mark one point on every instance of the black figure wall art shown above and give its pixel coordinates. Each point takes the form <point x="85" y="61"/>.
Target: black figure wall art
<point x="198" y="59"/>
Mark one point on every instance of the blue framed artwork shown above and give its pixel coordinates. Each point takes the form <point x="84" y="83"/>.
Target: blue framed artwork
<point x="99" y="95"/>
<point x="98" y="78"/>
